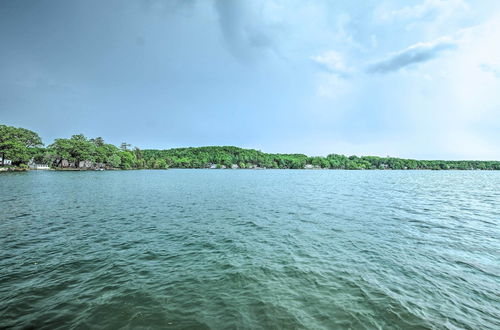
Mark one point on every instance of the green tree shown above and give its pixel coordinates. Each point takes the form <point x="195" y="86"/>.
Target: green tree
<point x="98" y="141"/>
<point x="161" y="164"/>
<point x="17" y="144"/>
<point x="77" y="148"/>
<point x="127" y="160"/>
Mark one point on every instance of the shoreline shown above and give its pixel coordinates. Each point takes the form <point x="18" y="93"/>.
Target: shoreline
<point x="18" y="169"/>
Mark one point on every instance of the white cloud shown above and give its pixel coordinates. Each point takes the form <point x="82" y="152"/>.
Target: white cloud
<point x="457" y="110"/>
<point x="418" y="53"/>
<point x="448" y="109"/>
<point x="332" y="62"/>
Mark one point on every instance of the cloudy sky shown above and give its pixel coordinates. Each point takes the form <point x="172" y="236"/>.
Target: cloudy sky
<point x="417" y="79"/>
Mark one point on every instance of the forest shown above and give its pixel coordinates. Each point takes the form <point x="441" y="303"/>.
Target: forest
<point x="21" y="147"/>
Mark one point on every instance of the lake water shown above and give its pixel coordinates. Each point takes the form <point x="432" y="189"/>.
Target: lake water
<point x="249" y="249"/>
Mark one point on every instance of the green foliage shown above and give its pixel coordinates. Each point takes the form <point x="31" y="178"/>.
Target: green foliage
<point x="21" y="145"/>
<point x="114" y="161"/>
<point x="18" y="144"/>
<point x="127" y="160"/>
<point x="205" y="157"/>
<point x="161" y="164"/>
<point x="77" y="148"/>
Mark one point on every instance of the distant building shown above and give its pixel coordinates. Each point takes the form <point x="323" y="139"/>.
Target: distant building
<point x="82" y="164"/>
<point x="37" y="166"/>
<point x="85" y="164"/>
<point x="5" y="161"/>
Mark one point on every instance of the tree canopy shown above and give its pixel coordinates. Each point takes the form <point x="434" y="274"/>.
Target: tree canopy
<point x="18" y="144"/>
<point x="21" y="145"/>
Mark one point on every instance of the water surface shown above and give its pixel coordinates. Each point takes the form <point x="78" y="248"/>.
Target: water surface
<point x="247" y="249"/>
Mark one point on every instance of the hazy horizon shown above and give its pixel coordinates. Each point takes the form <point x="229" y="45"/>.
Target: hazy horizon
<point x="412" y="79"/>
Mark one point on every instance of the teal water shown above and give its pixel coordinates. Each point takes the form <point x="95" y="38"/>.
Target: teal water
<point x="247" y="249"/>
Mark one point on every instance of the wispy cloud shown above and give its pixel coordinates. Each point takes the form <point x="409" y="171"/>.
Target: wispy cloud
<point x="332" y="62"/>
<point x="418" y="53"/>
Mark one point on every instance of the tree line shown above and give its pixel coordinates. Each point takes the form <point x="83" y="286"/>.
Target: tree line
<point x="228" y="156"/>
<point x="23" y="146"/>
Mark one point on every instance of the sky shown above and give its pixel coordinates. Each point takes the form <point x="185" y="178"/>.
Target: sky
<point x="414" y="79"/>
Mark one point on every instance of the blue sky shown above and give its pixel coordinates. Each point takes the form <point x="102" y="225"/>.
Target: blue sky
<point x="417" y="79"/>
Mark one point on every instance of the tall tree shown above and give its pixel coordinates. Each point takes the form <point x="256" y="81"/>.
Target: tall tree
<point x="17" y="144"/>
<point x="76" y="149"/>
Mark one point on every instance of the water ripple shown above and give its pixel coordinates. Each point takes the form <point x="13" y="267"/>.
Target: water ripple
<point x="195" y="249"/>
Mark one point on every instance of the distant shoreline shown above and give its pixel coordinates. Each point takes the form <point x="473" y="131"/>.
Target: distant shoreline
<point x="24" y="149"/>
<point x="16" y="169"/>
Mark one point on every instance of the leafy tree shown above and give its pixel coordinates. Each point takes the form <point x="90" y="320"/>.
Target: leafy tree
<point x="20" y="145"/>
<point x="17" y="144"/>
<point x="161" y="164"/>
<point x="127" y="160"/>
<point x="138" y="153"/>
<point x="114" y="161"/>
<point x="98" y="141"/>
<point x="77" y="148"/>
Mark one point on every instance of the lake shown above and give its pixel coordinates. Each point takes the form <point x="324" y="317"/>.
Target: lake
<point x="250" y="249"/>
